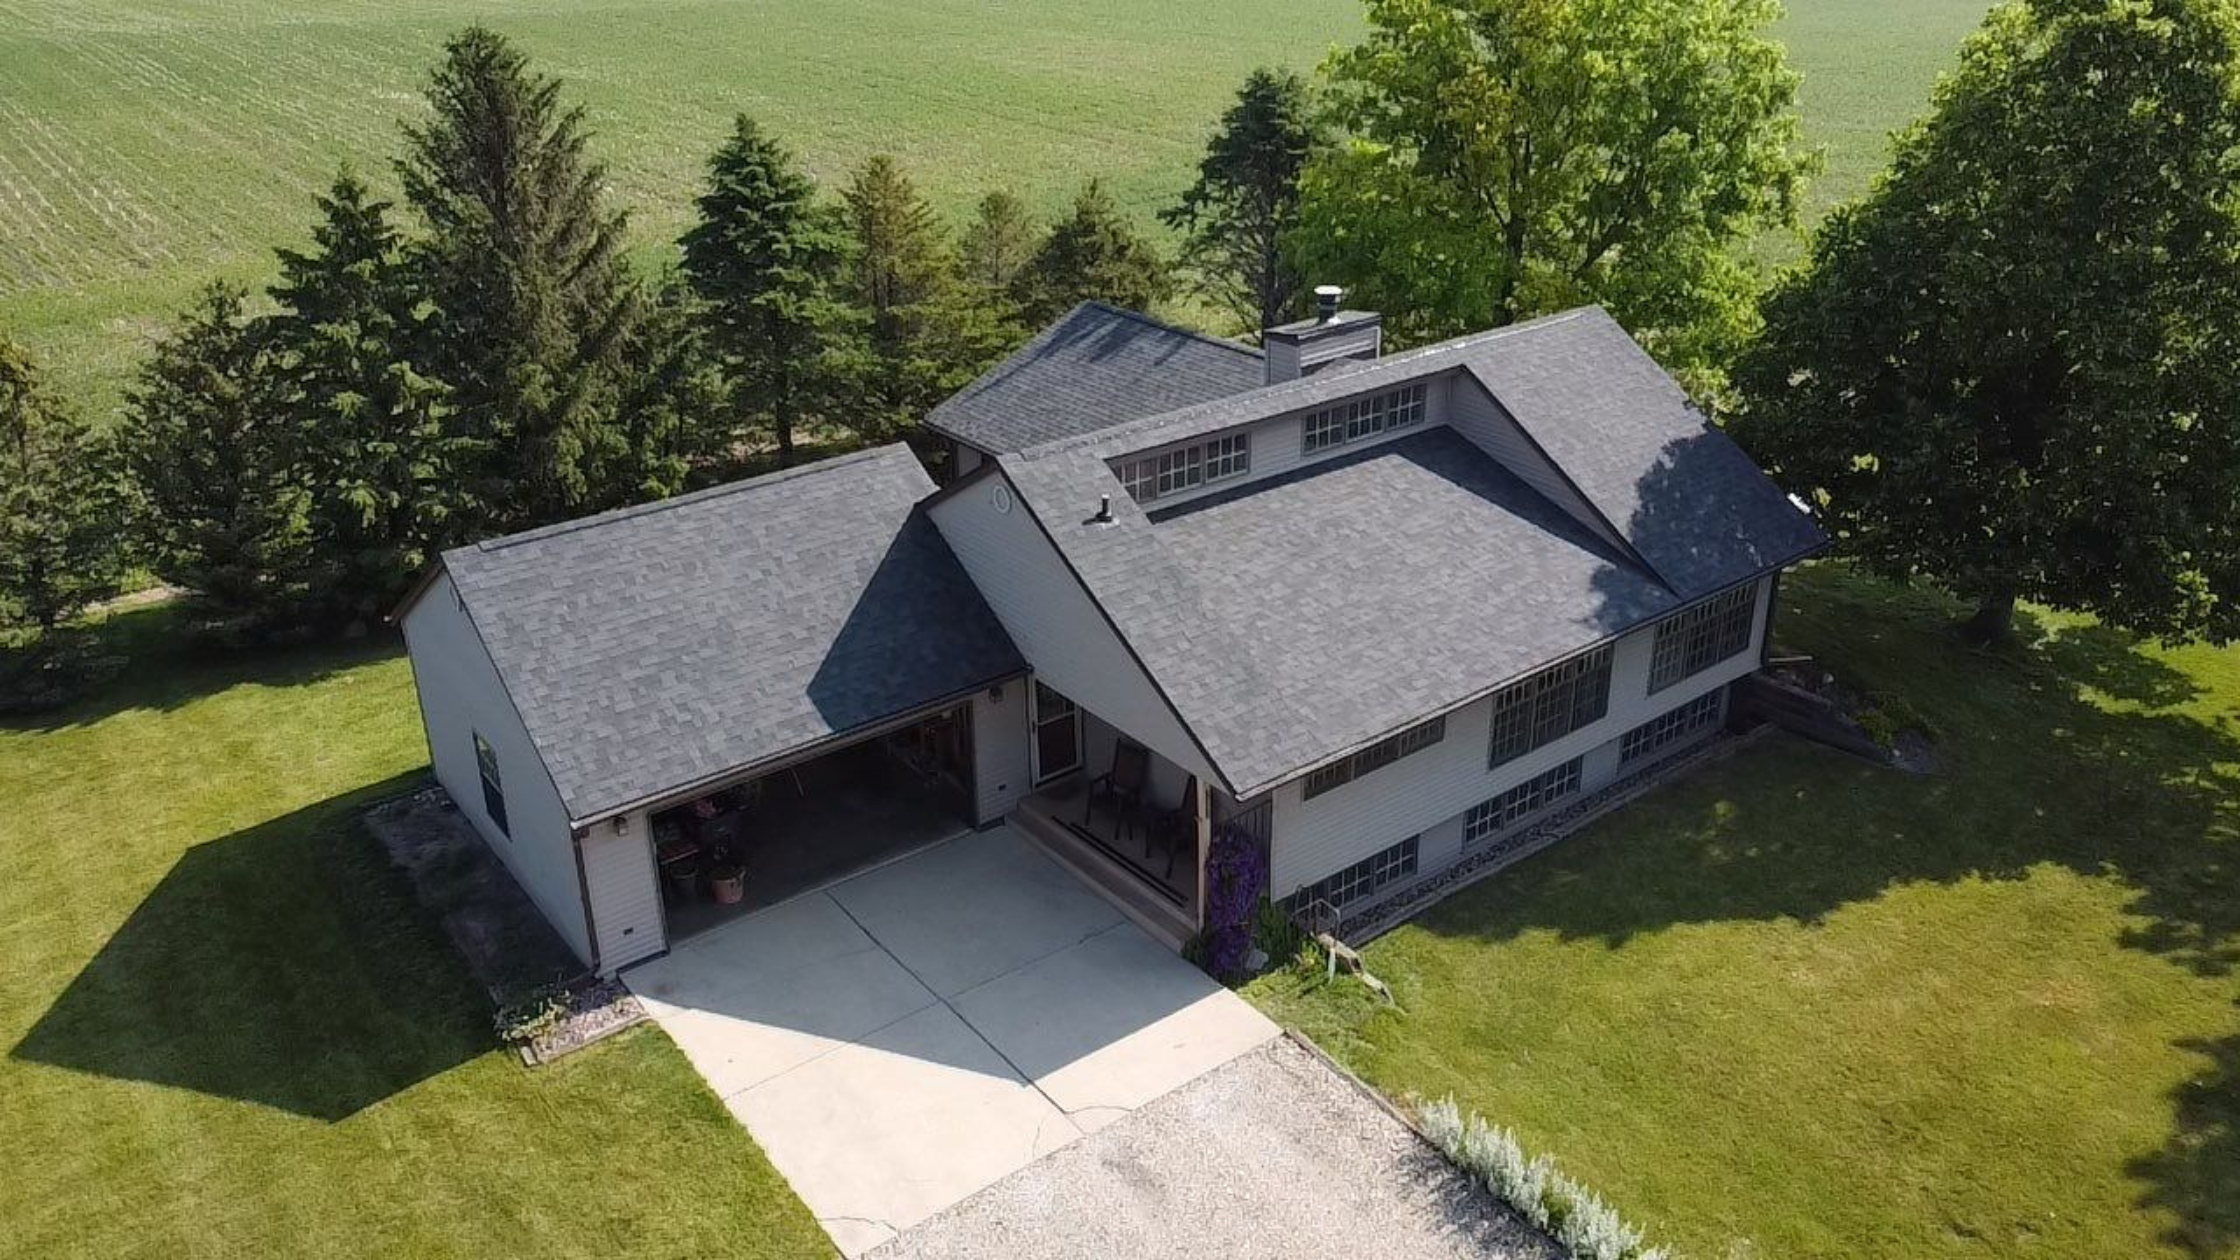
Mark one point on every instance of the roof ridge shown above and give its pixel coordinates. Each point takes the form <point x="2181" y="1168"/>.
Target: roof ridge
<point x="1150" y="423"/>
<point x="1154" y="321"/>
<point x="634" y="511"/>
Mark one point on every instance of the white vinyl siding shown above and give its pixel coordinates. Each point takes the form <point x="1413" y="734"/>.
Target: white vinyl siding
<point x="1051" y="619"/>
<point x="461" y="698"/>
<point x="1370" y="875"/>
<point x="1376" y="756"/>
<point x="1427" y="794"/>
<point x="625" y="892"/>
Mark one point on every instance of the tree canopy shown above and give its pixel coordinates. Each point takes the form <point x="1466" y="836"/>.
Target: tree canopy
<point x="1094" y="252"/>
<point x="61" y="517"/>
<point x="1246" y="198"/>
<point x="521" y="262"/>
<point x="2013" y="366"/>
<point x="766" y="258"/>
<point x="1507" y="158"/>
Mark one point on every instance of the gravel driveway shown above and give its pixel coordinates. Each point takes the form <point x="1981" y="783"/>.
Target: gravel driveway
<point x="1273" y="1155"/>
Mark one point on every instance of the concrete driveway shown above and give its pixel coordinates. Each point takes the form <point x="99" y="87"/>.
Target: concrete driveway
<point x="909" y="1036"/>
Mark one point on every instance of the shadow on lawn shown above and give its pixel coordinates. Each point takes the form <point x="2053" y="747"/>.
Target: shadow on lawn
<point x="167" y="665"/>
<point x="283" y="965"/>
<point x="2034" y="773"/>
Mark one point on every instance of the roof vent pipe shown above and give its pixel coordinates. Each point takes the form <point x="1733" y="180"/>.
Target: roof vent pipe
<point x="1326" y="300"/>
<point x="1104" y="511"/>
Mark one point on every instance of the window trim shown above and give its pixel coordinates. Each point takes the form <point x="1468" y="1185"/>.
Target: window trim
<point x="493" y="784"/>
<point x="1549" y="704"/>
<point x="1159" y="474"/>
<point x="1362" y="879"/>
<point x="1676" y="725"/>
<point x="1527" y="799"/>
<point x="1364" y="416"/>
<point x="1707" y="633"/>
<point x="1363" y="761"/>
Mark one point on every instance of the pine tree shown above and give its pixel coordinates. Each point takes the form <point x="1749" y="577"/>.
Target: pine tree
<point x="61" y="513"/>
<point x="1234" y="218"/>
<point x="999" y="242"/>
<point x="371" y="436"/>
<point x="1092" y="253"/>
<point x="930" y="331"/>
<point x="674" y="431"/>
<point x="532" y="302"/>
<point x="766" y="260"/>
<point x="210" y="447"/>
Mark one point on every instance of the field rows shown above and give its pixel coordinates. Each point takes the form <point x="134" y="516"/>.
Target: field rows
<point x="149" y="145"/>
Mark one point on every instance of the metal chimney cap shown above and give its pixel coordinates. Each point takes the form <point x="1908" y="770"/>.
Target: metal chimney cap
<point x="1326" y="300"/>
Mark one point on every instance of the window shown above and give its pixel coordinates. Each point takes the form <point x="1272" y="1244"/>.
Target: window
<point x="1520" y="802"/>
<point x="1187" y="467"/>
<point x="1366" y="876"/>
<point x="1667" y="729"/>
<point x="1695" y="639"/>
<point x="1360" y="418"/>
<point x="1376" y="756"/>
<point x="1549" y="705"/>
<point x="1057" y="734"/>
<point x="493" y="796"/>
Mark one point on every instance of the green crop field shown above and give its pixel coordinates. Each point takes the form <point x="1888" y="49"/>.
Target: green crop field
<point x="149" y="145"/>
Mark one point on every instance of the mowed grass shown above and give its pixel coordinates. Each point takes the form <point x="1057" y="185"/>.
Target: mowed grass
<point x="1800" y="1006"/>
<point x="225" y="1031"/>
<point x="146" y="147"/>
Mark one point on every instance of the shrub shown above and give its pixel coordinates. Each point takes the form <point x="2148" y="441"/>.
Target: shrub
<point x="522" y="1022"/>
<point x="1236" y="878"/>
<point x="1573" y="1215"/>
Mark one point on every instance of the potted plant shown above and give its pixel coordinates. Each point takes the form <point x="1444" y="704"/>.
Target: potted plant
<point x="727" y="877"/>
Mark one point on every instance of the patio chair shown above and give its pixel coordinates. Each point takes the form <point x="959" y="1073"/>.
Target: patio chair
<point x="1126" y="782"/>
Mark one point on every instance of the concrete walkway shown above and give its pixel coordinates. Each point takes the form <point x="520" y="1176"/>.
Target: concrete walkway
<point x="1270" y="1157"/>
<point x="907" y="1037"/>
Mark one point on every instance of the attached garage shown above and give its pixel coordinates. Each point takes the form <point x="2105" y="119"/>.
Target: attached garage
<point x="665" y="714"/>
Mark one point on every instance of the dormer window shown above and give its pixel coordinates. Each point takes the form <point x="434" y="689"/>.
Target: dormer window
<point x="1150" y="477"/>
<point x="1364" y="417"/>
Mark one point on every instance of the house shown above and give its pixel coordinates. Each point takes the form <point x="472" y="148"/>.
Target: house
<point x="1375" y="612"/>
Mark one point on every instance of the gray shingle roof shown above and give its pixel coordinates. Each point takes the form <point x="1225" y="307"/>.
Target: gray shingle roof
<point x="652" y="648"/>
<point x="1096" y="366"/>
<point x="1289" y="620"/>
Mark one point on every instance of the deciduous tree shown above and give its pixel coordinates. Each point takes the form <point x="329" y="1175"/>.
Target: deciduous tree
<point x="2013" y="367"/>
<point x="1246" y="199"/>
<point x="1506" y="158"/>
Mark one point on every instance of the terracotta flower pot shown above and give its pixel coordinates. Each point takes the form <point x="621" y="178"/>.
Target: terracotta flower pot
<point x="729" y="887"/>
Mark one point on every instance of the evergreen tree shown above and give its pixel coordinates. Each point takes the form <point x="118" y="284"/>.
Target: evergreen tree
<point x="2012" y="368"/>
<point x="532" y="303"/>
<point x="999" y="242"/>
<point x="372" y="443"/>
<point x="1246" y="198"/>
<point x="210" y="447"/>
<point x="674" y="431"/>
<point x="766" y="260"/>
<point x="1092" y="253"/>
<point x="61" y="511"/>
<point x="930" y="331"/>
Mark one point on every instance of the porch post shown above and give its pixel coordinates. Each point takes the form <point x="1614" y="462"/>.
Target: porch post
<point x="1201" y="818"/>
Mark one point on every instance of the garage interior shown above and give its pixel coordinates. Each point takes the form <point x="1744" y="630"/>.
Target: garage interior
<point x="790" y="829"/>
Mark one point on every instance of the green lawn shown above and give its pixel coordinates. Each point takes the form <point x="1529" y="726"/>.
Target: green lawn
<point x="227" y="1032"/>
<point x="1800" y="1006"/>
<point x="148" y="145"/>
